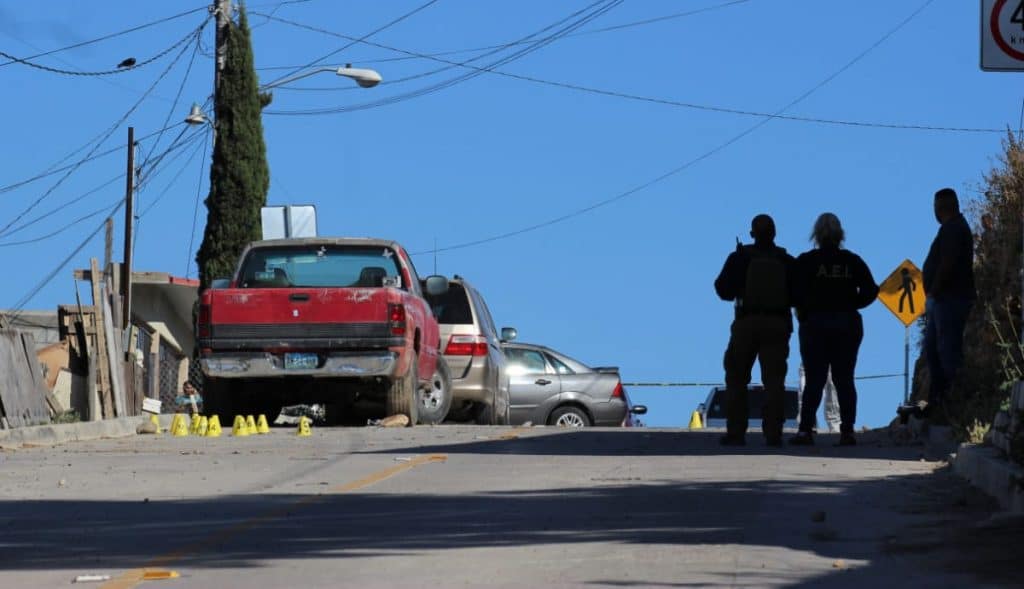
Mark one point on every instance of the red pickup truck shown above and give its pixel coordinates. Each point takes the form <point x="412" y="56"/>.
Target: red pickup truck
<point x="323" y="320"/>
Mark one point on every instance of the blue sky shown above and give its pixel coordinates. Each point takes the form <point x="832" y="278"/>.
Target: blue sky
<point x="629" y="283"/>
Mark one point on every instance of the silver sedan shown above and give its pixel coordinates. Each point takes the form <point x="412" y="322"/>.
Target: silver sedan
<point x="546" y="387"/>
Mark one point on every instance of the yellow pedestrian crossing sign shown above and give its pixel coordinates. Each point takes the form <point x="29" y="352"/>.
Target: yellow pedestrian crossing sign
<point x="903" y="293"/>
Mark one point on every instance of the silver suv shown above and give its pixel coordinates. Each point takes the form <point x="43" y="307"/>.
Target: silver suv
<point x="472" y="347"/>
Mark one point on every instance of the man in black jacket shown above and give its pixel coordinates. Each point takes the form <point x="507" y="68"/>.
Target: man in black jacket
<point x="949" y="287"/>
<point x="758" y="278"/>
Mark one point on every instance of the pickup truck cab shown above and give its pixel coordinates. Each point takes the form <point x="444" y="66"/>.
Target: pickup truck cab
<point x="329" y="320"/>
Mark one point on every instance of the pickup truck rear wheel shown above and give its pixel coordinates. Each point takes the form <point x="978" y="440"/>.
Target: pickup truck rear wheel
<point x="402" y="397"/>
<point x="436" y="397"/>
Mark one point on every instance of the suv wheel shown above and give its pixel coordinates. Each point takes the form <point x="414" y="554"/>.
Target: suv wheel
<point x="569" y="416"/>
<point x="436" y="398"/>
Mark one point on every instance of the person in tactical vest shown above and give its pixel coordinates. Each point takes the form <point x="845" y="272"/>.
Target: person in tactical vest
<point x="830" y="287"/>
<point x="758" y="278"/>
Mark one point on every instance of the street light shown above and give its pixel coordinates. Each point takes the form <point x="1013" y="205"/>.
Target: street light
<point x="196" y="116"/>
<point x="366" y="78"/>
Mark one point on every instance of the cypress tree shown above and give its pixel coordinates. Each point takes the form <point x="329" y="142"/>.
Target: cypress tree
<point x="239" y="175"/>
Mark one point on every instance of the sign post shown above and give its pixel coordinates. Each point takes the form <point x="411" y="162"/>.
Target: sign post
<point x="903" y="294"/>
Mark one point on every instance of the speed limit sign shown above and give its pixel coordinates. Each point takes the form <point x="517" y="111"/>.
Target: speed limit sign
<point x="1002" y="35"/>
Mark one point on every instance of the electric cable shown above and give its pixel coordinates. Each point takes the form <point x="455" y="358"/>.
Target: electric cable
<point x="384" y="27"/>
<point x="173" y="180"/>
<point x="62" y="206"/>
<point x="24" y="300"/>
<point x="497" y="49"/>
<point x="120" y="70"/>
<point x="54" y="170"/>
<point x="640" y="98"/>
<point x="112" y="35"/>
<point x="174" y="106"/>
<point x="605" y="6"/>
<point x="142" y="183"/>
<point x="690" y="163"/>
<point x="195" y="211"/>
<point x="73" y="168"/>
<point x="506" y="45"/>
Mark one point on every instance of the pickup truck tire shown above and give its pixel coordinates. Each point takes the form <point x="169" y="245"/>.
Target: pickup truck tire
<point x="403" y="394"/>
<point x="436" y="398"/>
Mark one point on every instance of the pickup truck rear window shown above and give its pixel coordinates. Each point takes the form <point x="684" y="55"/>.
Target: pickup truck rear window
<point x="321" y="267"/>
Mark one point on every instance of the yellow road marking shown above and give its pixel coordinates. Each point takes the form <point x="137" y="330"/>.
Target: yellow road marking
<point x="512" y="434"/>
<point x="154" y="568"/>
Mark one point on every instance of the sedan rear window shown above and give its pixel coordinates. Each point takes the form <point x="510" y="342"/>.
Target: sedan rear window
<point x="321" y="266"/>
<point x="452" y="308"/>
<point x="755" y="404"/>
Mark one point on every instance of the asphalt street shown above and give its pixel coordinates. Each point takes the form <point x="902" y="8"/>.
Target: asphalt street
<point x="462" y="506"/>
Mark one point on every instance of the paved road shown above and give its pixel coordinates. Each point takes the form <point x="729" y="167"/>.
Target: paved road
<point x="460" y="506"/>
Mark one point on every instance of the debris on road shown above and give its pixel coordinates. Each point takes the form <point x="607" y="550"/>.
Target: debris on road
<point x="91" y="578"/>
<point x="147" y="428"/>
<point x="400" y="420"/>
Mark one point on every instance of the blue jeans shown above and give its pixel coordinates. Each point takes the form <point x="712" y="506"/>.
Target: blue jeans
<point x="944" y="343"/>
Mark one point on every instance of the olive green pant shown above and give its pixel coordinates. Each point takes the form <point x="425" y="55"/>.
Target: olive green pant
<point x="763" y="338"/>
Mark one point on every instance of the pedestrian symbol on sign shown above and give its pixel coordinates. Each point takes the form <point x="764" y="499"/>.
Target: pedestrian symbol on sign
<point x="909" y="286"/>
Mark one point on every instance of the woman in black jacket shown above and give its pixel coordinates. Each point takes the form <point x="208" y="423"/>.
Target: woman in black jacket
<point x="831" y="286"/>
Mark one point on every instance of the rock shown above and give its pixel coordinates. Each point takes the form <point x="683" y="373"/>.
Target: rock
<point x="399" y="420"/>
<point x="818" y="517"/>
<point x="62" y="483"/>
<point x="146" y="427"/>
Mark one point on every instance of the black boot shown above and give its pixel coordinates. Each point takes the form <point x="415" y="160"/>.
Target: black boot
<point x="802" y="439"/>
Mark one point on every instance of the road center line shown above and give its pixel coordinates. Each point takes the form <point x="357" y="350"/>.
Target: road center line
<point x="132" y="578"/>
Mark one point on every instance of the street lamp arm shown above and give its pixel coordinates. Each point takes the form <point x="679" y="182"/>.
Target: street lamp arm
<point x="366" y="78"/>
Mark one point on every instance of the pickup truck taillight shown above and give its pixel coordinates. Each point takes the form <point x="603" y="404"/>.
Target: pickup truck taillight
<point x="203" y="323"/>
<point x="396" y="318"/>
<point x="466" y="345"/>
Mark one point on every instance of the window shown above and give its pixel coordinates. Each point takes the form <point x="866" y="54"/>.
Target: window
<point x="487" y="320"/>
<point x="452" y="307"/>
<point x="522" y="361"/>
<point x="319" y="266"/>
<point x="560" y="366"/>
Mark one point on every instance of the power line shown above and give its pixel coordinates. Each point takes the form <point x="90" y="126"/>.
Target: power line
<point x="688" y="384"/>
<point x="510" y="43"/>
<point x="61" y="207"/>
<point x="636" y="97"/>
<point x="121" y="70"/>
<point x="688" y="164"/>
<point x="142" y="182"/>
<point x="195" y="211"/>
<point x="54" y="170"/>
<point x="73" y="168"/>
<point x="111" y="35"/>
<point x="602" y="7"/>
<point x="174" y="180"/>
<point x="52" y="274"/>
<point x="529" y="39"/>
<point x="386" y="26"/>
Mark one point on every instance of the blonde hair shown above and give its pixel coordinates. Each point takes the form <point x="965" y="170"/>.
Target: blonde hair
<point x="828" y="231"/>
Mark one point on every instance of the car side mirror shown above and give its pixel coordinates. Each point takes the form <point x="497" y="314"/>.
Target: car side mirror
<point x="220" y="283"/>
<point x="509" y="334"/>
<point x="638" y="410"/>
<point x="435" y="286"/>
<point x="702" y="408"/>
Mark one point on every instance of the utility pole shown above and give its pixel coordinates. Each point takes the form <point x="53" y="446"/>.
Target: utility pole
<point x="222" y="8"/>
<point x="129" y="211"/>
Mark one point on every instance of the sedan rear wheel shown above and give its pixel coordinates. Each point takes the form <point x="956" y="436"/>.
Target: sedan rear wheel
<point x="569" y="416"/>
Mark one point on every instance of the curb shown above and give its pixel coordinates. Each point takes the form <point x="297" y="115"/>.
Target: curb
<point x="51" y="435"/>
<point x="987" y="469"/>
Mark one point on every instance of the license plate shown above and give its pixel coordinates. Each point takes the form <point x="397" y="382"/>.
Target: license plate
<point x="300" y="361"/>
